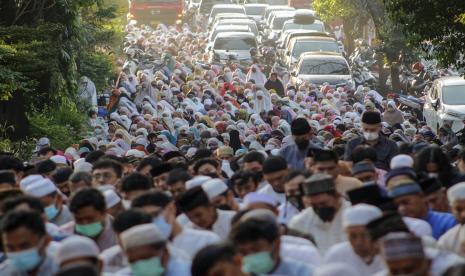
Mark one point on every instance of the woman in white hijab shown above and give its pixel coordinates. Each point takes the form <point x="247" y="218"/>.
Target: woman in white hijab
<point x="256" y="74"/>
<point x="262" y="102"/>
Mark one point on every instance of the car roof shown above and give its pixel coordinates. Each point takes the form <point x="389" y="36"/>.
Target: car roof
<point x="313" y="38"/>
<point x="302" y="32"/>
<point x="455" y="80"/>
<point x="236" y="20"/>
<point x="316" y="21"/>
<point x="256" y="5"/>
<point x="233" y="27"/>
<point x="328" y="55"/>
<point x="227" y="6"/>
<point x="277" y="7"/>
<point x="235" y="34"/>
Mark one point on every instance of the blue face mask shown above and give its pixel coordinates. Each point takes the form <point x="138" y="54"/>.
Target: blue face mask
<point x="163" y="226"/>
<point x="25" y="260"/>
<point x="51" y="211"/>
<point x="258" y="263"/>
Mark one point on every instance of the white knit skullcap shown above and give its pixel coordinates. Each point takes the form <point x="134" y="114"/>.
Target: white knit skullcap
<point x="456" y="192"/>
<point x="214" y="187"/>
<point x="140" y="235"/>
<point x="360" y="215"/>
<point x="111" y="198"/>
<point x="76" y="247"/>
<point x="41" y="188"/>
<point x="401" y="161"/>
<point x="197" y="181"/>
<point x="28" y="180"/>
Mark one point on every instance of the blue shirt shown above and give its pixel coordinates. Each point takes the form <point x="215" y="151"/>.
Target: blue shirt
<point x="294" y="156"/>
<point x="385" y="150"/>
<point x="440" y="222"/>
<point x="290" y="267"/>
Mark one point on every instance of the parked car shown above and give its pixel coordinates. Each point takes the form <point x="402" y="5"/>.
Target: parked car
<point x="232" y="44"/>
<point x="224" y="8"/>
<point x="237" y="22"/>
<point x="302" y="44"/>
<point x="255" y="11"/>
<point x="268" y="2"/>
<point x="318" y="68"/>
<point x="227" y="28"/>
<point x="445" y="102"/>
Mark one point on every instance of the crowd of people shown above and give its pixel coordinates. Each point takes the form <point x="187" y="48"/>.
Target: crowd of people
<point x="204" y="171"/>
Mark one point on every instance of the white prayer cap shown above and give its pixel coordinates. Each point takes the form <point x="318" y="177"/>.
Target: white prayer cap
<point x="140" y="235"/>
<point x="335" y="269"/>
<point x="28" y="180"/>
<point x="197" y="181"/>
<point x="41" y="188"/>
<point x="401" y="161"/>
<point x="256" y="197"/>
<point x="456" y="192"/>
<point x="83" y="166"/>
<point x="76" y="247"/>
<point x="360" y="215"/>
<point x="111" y="198"/>
<point x="59" y="159"/>
<point x="214" y="187"/>
<point x="135" y="153"/>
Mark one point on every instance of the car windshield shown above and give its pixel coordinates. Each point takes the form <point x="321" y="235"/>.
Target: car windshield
<point x="278" y="22"/>
<point x="225" y="10"/>
<point x="232" y="29"/>
<point x="269" y="2"/>
<point x="313" y="27"/>
<point x="252" y="26"/>
<point x="235" y="43"/>
<point x="314" y="46"/>
<point x="255" y="10"/>
<point x="206" y="5"/>
<point x="323" y="67"/>
<point x="453" y="94"/>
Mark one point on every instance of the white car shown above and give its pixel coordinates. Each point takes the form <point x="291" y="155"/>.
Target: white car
<point x="255" y="11"/>
<point x="303" y="44"/>
<point x="318" y="68"/>
<point x="237" y="44"/>
<point x="224" y="8"/>
<point x="445" y="102"/>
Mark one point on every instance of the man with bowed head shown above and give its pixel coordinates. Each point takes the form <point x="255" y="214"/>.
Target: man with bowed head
<point x="371" y="127"/>
<point x="296" y="152"/>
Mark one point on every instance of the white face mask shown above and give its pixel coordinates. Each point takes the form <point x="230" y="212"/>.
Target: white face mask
<point x="370" y="136"/>
<point x="433" y="175"/>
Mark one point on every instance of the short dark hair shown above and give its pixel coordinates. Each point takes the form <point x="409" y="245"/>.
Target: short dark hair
<point x="130" y="218"/>
<point x="325" y="155"/>
<point x="11" y="163"/>
<point x="87" y="197"/>
<point x="94" y="156"/>
<point x="294" y="173"/>
<point x="61" y="175"/>
<point x="209" y="256"/>
<point x="81" y="176"/>
<point x="202" y="153"/>
<point x="193" y="198"/>
<point x="253" y="229"/>
<point x="46" y="166"/>
<point x="32" y="202"/>
<point x="205" y="161"/>
<point x="149" y="161"/>
<point x="254" y="156"/>
<point x="108" y="163"/>
<point x="7" y="176"/>
<point x="364" y="152"/>
<point x="153" y="198"/>
<point x="242" y="177"/>
<point x="44" y="151"/>
<point x="31" y="220"/>
<point x="136" y="181"/>
<point x="177" y="175"/>
<point x="274" y="164"/>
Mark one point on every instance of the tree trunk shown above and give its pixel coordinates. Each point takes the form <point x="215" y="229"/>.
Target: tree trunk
<point x="349" y="39"/>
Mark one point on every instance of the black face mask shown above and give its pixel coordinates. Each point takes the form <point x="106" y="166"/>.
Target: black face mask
<point x="326" y="214"/>
<point x="212" y="175"/>
<point x="302" y="143"/>
<point x="296" y="201"/>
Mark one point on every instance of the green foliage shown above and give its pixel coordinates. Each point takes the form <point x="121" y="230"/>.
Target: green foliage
<point x="98" y="67"/>
<point x="64" y="125"/>
<point x="21" y="149"/>
<point x="439" y="21"/>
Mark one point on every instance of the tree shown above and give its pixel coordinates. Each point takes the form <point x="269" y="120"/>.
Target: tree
<point x="441" y="22"/>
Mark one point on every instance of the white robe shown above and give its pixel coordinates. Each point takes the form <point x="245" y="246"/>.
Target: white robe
<point x="191" y="240"/>
<point x="268" y="190"/>
<point x="326" y="234"/>
<point x="222" y="225"/>
<point x="452" y="240"/>
<point x="299" y="249"/>
<point x="344" y="253"/>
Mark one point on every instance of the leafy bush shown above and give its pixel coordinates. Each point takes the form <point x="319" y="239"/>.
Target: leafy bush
<point x="64" y="125"/>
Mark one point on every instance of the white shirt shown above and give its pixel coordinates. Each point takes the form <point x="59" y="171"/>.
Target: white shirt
<point x="299" y="249"/>
<point x="191" y="240"/>
<point x="344" y="253"/>
<point x="280" y="197"/>
<point x="222" y="225"/>
<point x="286" y="212"/>
<point x="452" y="239"/>
<point x="326" y="234"/>
<point x="418" y="227"/>
<point x="113" y="259"/>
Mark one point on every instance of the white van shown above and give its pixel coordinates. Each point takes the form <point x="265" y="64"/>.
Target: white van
<point x="445" y="102"/>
